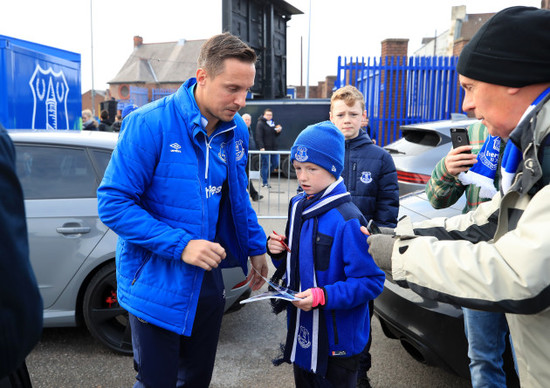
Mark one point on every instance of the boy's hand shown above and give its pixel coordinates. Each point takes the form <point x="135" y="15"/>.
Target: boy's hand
<point x="275" y="243"/>
<point x="305" y="303"/>
<point x="457" y="160"/>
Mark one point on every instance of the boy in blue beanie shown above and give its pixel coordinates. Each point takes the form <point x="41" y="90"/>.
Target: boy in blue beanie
<point x="325" y="260"/>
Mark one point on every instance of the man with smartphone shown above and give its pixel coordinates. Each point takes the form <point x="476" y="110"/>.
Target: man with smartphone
<point x="495" y="258"/>
<point x="486" y="331"/>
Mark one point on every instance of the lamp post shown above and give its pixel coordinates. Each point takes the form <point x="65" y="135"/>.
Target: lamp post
<point x="308" y="50"/>
<point x="92" y="52"/>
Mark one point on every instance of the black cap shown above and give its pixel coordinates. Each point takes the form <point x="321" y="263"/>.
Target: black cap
<point x="511" y="49"/>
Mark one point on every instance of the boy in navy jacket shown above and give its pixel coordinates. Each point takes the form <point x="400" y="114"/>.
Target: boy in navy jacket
<point x="326" y="263"/>
<point x="370" y="176"/>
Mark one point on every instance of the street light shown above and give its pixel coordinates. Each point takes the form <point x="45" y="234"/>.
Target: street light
<point x="92" y="42"/>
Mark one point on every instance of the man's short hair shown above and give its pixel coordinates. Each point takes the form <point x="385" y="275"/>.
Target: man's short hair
<point x="267" y="110"/>
<point x="104" y="115"/>
<point x="246" y="115"/>
<point x="350" y="95"/>
<point x="221" y="47"/>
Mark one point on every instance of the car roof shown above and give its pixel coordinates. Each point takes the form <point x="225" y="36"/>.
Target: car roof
<point x="96" y="139"/>
<point x="441" y="126"/>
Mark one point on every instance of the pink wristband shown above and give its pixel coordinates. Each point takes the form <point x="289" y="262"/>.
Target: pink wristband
<point x="317" y="296"/>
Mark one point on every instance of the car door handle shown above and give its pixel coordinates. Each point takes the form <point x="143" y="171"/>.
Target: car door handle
<point x="74" y="230"/>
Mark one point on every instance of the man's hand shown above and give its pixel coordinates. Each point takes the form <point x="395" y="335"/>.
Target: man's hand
<point x="457" y="160"/>
<point x="380" y="248"/>
<point x="203" y="253"/>
<point x="258" y="264"/>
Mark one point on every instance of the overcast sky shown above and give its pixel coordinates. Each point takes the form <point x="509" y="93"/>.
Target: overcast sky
<point x="338" y="27"/>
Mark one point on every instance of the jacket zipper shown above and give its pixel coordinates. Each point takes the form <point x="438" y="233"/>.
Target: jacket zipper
<point x="138" y="272"/>
<point x="207" y="141"/>
<point x="334" y="328"/>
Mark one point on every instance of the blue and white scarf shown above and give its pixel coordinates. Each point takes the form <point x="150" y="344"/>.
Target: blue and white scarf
<point x="307" y="339"/>
<point x="483" y="172"/>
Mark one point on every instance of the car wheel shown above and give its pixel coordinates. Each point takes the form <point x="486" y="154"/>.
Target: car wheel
<point x="105" y="319"/>
<point x="285" y="162"/>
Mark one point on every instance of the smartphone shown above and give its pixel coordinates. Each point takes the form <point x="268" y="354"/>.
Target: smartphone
<point x="373" y="228"/>
<point x="459" y="137"/>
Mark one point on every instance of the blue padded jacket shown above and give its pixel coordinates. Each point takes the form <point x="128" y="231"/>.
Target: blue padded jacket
<point x="370" y="177"/>
<point x="154" y="196"/>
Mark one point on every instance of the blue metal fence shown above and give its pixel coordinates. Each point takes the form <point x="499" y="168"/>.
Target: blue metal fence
<point x="157" y="94"/>
<point x="401" y="90"/>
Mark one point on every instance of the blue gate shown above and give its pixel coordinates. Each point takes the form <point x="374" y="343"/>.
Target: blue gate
<point x="398" y="91"/>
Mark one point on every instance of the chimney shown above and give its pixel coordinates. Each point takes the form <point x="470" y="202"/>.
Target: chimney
<point x="138" y="41"/>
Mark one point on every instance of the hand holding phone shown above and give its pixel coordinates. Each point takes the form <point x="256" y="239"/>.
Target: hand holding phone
<point x="459" y="138"/>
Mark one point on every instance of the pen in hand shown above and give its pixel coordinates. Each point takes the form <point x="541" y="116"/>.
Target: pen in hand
<point x="282" y="242"/>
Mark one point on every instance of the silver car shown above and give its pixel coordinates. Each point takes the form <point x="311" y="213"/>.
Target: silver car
<point x="72" y="251"/>
<point x="421" y="147"/>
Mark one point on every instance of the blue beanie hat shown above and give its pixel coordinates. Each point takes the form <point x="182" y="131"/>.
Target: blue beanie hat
<point x="322" y="144"/>
<point x="128" y="109"/>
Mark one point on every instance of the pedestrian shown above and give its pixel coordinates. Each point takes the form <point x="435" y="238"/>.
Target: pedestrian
<point x="117" y="123"/>
<point x="327" y="263"/>
<point x="486" y="331"/>
<point x="251" y="146"/>
<point x="496" y="258"/>
<point x="88" y="121"/>
<point x="21" y="304"/>
<point x="266" y="138"/>
<point x="371" y="132"/>
<point x="104" y="123"/>
<point x="369" y="175"/>
<point x="175" y="194"/>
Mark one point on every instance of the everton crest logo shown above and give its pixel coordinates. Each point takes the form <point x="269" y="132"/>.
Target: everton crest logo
<point x="239" y="149"/>
<point x="304" y="338"/>
<point x="222" y="154"/>
<point x="50" y="91"/>
<point x="366" y="177"/>
<point x="301" y="154"/>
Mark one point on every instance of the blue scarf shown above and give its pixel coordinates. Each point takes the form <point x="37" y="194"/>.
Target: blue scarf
<point x="307" y="338"/>
<point x="483" y="172"/>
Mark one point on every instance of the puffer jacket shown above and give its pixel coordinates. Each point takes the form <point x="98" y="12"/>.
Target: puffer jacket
<point x="502" y="259"/>
<point x="153" y="197"/>
<point x="370" y="177"/>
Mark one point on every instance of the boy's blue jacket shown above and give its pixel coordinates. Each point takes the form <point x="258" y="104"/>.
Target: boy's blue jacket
<point x="153" y="195"/>
<point x="371" y="178"/>
<point x="343" y="268"/>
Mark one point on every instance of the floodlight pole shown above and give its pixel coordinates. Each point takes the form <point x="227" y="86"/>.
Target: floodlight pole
<point x="308" y="51"/>
<point x="92" y="43"/>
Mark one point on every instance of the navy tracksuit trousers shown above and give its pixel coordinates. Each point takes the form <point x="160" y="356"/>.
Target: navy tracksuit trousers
<point x="165" y="359"/>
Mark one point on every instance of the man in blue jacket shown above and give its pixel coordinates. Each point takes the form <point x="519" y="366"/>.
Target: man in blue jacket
<point x="175" y="193"/>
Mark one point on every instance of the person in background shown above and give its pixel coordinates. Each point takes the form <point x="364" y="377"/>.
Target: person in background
<point x="20" y="301"/>
<point x="266" y="138"/>
<point x="372" y="133"/>
<point x="117" y="123"/>
<point x="496" y="257"/>
<point x="175" y="194"/>
<point x="369" y="175"/>
<point x="88" y="121"/>
<point x="251" y="146"/>
<point x="486" y="331"/>
<point x="104" y="123"/>
<point x="327" y="264"/>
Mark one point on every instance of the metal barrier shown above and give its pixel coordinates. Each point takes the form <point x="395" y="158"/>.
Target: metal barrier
<point x="274" y="204"/>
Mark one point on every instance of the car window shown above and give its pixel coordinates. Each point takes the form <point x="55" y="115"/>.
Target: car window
<point x="48" y="172"/>
<point x="102" y="160"/>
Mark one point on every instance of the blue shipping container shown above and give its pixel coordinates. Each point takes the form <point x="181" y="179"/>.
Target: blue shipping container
<point x="39" y="86"/>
